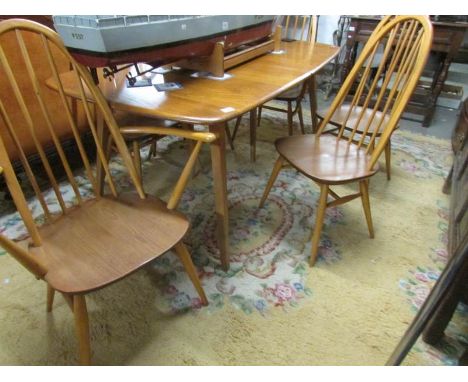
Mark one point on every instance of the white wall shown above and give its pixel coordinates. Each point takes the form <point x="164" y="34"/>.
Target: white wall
<point x="326" y="26"/>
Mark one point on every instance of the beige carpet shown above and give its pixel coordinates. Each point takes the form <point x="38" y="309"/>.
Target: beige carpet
<point x="271" y="308"/>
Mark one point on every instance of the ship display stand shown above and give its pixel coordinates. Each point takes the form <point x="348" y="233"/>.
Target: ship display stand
<point x="212" y="66"/>
<point x="220" y="61"/>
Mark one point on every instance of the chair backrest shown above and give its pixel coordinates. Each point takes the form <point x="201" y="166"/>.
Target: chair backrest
<point x="381" y="82"/>
<point x="50" y="46"/>
<point x="299" y="28"/>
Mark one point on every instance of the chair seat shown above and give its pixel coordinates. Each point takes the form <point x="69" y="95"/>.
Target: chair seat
<point x="106" y="239"/>
<point x="290" y="94"/>
<point x="341" y="112"/>
<point x="326" y="159"/>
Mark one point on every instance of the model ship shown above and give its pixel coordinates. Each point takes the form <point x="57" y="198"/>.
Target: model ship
<point x="107" y="41"/>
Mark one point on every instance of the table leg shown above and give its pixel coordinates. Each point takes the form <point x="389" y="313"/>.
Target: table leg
<point x="313" y="102"/>
<point x="218" y="160"/>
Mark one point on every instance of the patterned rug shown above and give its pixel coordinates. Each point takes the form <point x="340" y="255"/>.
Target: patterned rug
<point x="270" y="308"/>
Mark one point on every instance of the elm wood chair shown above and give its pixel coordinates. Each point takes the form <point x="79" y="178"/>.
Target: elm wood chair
<point x="100" y="239"/>
<point x="302" y="28"/>
<point x="348" y="116"/>
<point x="333" y="160"/>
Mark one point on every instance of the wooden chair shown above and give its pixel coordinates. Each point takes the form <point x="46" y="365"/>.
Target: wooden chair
<point x="332" y="160"/>
<point x="294" y="28"/>
<point x="99" y="240"/>
<point x="302" y="28"/>
<point x="341" y="114"/>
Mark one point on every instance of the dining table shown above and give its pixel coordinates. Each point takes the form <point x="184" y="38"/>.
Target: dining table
<point x="211" y="102"/>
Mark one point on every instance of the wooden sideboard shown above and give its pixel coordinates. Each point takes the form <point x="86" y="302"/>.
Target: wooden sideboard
<point x="458" y="234"/>
<point x="452" y="285"/>
<point x="448" y="37"/>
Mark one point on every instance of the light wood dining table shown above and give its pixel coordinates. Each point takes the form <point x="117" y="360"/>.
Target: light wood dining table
<point x="212" y="102"/>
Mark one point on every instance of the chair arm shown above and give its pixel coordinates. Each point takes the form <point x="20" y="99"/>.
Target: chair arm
<point x="195" y="135"/>
<point x="30" y="262"/>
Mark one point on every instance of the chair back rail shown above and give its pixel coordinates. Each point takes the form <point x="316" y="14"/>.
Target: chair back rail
<point x="51" y="46"/>
<point x="306" y="26"/>
<point x="386" y="72"/>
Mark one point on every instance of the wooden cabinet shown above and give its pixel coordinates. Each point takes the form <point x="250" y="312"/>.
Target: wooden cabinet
<point x="452" y="284"/>
<point x="458" y="231"/>
<point x="458" y="234"/>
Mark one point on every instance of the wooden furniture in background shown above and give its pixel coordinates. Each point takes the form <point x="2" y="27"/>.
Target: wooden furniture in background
<point x="454" y="273"/>
<point x="99" y="240"/>
<point x="330" y="160"/>
<point x="458" y="235"/>
<point x="212" y="102"/>
<point x="451" y="287"/>
<point x="448" y="37"/>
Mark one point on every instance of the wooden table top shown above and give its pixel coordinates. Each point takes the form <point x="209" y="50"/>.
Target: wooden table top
<point x="210" y="101"/>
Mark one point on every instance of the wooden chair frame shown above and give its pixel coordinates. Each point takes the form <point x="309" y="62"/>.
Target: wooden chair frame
<point x="408" y="42"/>
<point x="320" y="114"/>
<point x="35" y="256"/>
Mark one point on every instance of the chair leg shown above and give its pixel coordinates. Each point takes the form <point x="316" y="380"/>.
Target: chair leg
<point x="259" y="115"/>
<point x="153" y="149"/>
<point x="290" y="118"/>
<point x="301" y="119"/>
<point x="313" y="103"/>
<point x="253" y="135"/>
<point x="229" y="137"/>
<point x="109" y="147"/>
<point x="137" y="157"/>
<point x="388" y="159"/>
<point x="320" y="216"/>
<point x="82" y="328"/>
<point x="186" y="260"/>
<point x="236" y="127"/>
<point x="274" y="174"/>
<point x="50" y="297"/>
<point x="364" y="188"/>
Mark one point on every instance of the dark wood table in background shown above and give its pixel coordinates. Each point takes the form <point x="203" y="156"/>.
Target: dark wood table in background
<point x="448" y="37"/>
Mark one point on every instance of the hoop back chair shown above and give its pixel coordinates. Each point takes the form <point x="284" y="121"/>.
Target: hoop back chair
<point x="364" y="100"/>
<point x="332" y="160"/>
<point x="302" y="28"/>
<point x="98" y="240"/>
